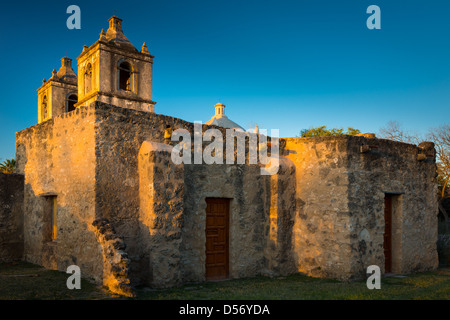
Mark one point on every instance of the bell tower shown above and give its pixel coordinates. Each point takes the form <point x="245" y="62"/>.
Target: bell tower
<point x="58" y="94"/>
<point x="113" y="71"/>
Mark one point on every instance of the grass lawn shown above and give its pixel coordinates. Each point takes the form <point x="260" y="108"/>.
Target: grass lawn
<point x="27" y="281"/>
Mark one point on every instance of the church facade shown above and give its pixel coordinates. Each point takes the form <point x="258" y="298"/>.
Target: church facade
<point x="101" y="190"/>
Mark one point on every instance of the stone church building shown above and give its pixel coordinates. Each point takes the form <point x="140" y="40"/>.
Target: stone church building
<point x="101" y="191"/>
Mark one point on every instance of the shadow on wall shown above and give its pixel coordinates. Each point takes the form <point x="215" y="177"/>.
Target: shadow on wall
<point x="56" y="238"/>
<point x="11" y="217"/>
<point x="161" y="192"/>
<point x="443" y="248"/>
<point x="443" y="243"/>
<point x="280" y="246"/>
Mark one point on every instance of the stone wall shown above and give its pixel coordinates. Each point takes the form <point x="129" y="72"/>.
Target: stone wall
<point x="120" y="134"/>
<point x="341" y="186"/>
<point x="279" y="228"/>
<point x="115" y="259"/>
<point x="161" y="192"/>
<point x="261" y="218"/>
<point x="141" y="216"/>
<point x="245" y="188"/>
<point x="321" y="233"/>
<point x="11" y="217"/>
<point x="58" y="160"/>
<point x="394" y="168"/>
<point x="321" y="214"/>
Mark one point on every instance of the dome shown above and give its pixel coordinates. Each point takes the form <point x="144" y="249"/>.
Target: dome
<point x="221" y="120"/>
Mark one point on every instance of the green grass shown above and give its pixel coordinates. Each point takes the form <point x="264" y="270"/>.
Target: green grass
<point x="27" y="281"/>
<point x="432" y="285"/>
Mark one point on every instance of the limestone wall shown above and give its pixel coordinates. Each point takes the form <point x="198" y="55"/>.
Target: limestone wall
<point x="147" y="220"/>
<point x="339" y="222"/>
<point x="279" y="235"/>
<point x="246" y="189"/>
<point x="120" y="134"/>
<point x="322" y="213"/>
<point x="392" y="167"/>
<point x="161" y="214"/>
<point x="58" y="160"/>
<point x="321" y="232"/>
<point x="11" y="217"/>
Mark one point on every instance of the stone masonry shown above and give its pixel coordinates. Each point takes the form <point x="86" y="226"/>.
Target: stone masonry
<point x="11" y="217"/>
<point x="321" y="214"/>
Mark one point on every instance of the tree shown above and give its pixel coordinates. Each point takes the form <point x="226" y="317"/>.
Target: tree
<point x="8" y="166"/>
<point x="441" y="138"/>
<point x="394" y="131"/>
<point x="324" y="132"/>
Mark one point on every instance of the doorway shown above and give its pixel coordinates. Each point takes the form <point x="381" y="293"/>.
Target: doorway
<point x="387" y="244"/>
<point x="217" y="238"/>
<point x="393" y="213"/>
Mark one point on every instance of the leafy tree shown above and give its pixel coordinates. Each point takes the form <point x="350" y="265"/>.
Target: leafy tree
<point x="8" y="166"/>
<point x="324" y="132"/>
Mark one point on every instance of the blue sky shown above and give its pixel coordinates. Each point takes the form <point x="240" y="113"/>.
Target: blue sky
<point x="285" y="65"/>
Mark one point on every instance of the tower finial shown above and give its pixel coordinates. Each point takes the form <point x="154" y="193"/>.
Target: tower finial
<point x="102" y="35"/>
<point x="145" y="49"/>
<point x="220" y="109"/>
<point x="115" y="24"/>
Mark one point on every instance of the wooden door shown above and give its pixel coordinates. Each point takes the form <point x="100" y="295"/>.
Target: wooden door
<point x="217" y="232"/>
<point x="387" y="233"/>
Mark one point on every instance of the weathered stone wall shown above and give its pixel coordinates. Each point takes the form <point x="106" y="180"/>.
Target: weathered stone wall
<point x="58" y="159"/>
<point x="321" y="235"/>
<point x="120" y="134"/>
<point x="115" y="259"/>
<point x="11" y="217"/>
<point x="161" y="192"/>
<point x="279" y="248"/>
<point x="151" y="227"/>
<point x="339" y="223"/>
<point x="261" y="219"/>
<point x="392" y="167"/>
<point x="321" y="214"/>
<point x="245" y="188"/>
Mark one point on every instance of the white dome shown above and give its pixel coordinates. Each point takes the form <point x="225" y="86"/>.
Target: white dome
<point x="221" y="120"/>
